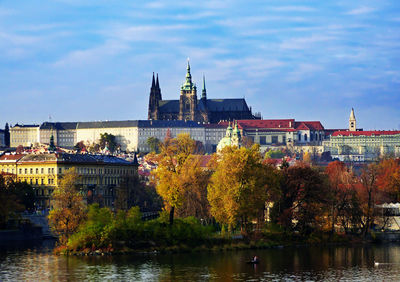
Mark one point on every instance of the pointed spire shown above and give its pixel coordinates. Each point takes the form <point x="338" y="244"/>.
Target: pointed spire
<point x="153" y="84"/>
<point x="204" y="91"/>
<point x="157" y="83"/>
<point x="135" y="161"/>
<point x="352" y="115"/>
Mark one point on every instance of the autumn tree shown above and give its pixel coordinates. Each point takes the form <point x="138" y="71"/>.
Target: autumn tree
<point x="388" y="178"/>
<point x="369" y="195"/>
<point x="239" y="187"/>
<point x="302" y="199"/>
<point x="68" y="206"/>
<point x="175" y="157"/>
<point x="341" y="194"/>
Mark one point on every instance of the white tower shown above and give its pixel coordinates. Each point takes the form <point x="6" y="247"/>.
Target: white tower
<point x="352" y="121"/>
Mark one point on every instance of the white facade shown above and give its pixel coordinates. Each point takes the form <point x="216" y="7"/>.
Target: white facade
<point x="24" y="135"/>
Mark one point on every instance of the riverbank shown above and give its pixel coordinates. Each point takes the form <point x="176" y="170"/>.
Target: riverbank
<point x="218" y="244"/>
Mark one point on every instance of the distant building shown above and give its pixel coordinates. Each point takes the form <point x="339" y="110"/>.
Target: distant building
<point x="282" y="132"/>
<point x="359" y="146"/>
<point x="189" y="108"/>
<point x="100" y="175"/>
<point x="64" y="133"/>
<point x="25" y="135"/>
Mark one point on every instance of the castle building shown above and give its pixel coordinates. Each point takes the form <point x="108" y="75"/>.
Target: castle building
<point x="232" y="137"/>
<point x="189" y="107"/>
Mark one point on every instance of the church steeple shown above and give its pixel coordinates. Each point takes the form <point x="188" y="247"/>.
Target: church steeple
<point x="157" y="83"/>
<point x="153" y="84"/>
<point x="204" y="91"/>
<point x="352" y="121"/>
<point x="188" y="85"/>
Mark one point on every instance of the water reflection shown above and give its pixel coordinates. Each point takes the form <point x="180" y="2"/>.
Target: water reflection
<point x="36" y="262"/>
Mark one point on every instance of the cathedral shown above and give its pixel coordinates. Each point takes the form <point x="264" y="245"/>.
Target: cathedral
<point x="188" y="107"/>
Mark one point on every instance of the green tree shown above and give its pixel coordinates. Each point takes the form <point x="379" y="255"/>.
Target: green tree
<point x="154" y="144"/>
<point x="68" y="207"/>
<point x="108" y="140"/>
<point x="10" y="203"/>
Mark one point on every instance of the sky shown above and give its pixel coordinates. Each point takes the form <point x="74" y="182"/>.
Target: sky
<point x="87" y="60"/>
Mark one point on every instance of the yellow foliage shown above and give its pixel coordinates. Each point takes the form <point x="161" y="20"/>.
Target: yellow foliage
<point x="68" y="207"/>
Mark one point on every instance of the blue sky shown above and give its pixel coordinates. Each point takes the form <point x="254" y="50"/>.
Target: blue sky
<point x="93" y="59"/>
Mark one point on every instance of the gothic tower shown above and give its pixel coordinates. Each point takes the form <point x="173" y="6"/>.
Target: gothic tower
<point x="352" y="121"/>
<point x="155" y="97"/>
<point x="203" y="107"/>
<point x="188" y="98"/>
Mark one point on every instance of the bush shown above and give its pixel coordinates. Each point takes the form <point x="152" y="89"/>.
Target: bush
<point x="103" y="229"/>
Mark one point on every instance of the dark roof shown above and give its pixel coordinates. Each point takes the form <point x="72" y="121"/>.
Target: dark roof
<point x="168" y="123"/>
<point x="213" y="105"/>
<point x="169" y="106"/>
<point x="59" y="125"/>
<point x="227" y="105"/>
<point x="107" y="124"/>
<point x="74" y="158"/>
<point x="25" y="125"/>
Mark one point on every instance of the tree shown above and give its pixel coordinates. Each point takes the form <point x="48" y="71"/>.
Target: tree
<point x="368" y="194"/>
<point x="7" y="135"/>
<point x="108" y="140"/>
<point x="240" y="186"/>
<point x="388" y="178"/>
<point x="174" y="153"/>
<point x="132" y="192"/>
<point x="9" y="202"/>
<point x="302" y="199"/>
<point x="68" y="206"/>
<point x="154" y="144"/>
<point x="341" y="193"/>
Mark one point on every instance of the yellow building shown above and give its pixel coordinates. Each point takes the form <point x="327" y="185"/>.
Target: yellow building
<point x="100" y="174"/>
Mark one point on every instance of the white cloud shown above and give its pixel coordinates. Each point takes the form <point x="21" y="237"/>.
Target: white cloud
<point x="305" y="42"/>
<point x="361" y="11"/>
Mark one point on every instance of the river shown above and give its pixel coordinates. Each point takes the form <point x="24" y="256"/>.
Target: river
<point x="35" y="262"/>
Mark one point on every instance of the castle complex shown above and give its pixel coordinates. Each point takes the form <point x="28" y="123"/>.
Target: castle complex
<point x="188" y="107"/>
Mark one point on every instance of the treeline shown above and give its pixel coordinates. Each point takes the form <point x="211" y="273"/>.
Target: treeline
<point x="239" y="189"/>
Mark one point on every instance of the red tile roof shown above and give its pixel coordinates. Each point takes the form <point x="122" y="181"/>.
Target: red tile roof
<point x="11" y="157"/>
<point x="366" y="133"/>
<point x="309" y="125"/>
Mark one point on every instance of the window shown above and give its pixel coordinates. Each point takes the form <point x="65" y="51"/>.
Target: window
<point x="60" y="170"/>
<point x="37" y="171"/>
<point x="305" y="137"/>
<point x="26" y="171"/>
<point x="31" y="170"/>
<point x="20" y="171"/>
<point x="42" y="170"/>
<point x="37" y="181"/>
<point x="274" y="139"/>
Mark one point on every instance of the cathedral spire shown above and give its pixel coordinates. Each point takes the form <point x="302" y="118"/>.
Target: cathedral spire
<point x="204" y="91"/>
<point x="157" y="83"/>
<point x="153" y="84"/>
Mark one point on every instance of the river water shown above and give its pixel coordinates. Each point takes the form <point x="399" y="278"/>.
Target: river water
<point x="35" y="262"/>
